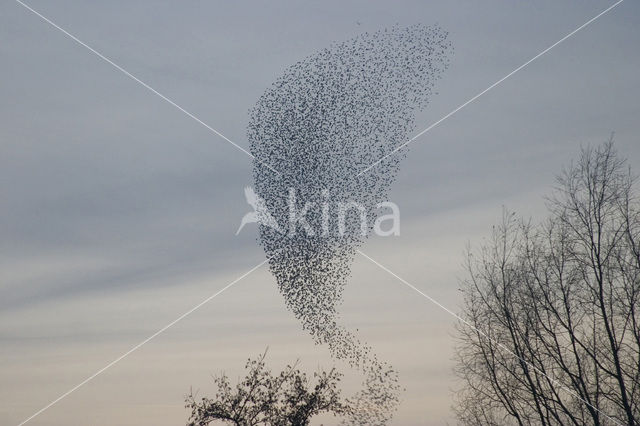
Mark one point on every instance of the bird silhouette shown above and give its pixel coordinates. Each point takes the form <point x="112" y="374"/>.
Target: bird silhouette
<point x="260" y="213"/>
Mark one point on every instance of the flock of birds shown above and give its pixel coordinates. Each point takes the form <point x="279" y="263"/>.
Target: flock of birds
<point x="327" y="118"/>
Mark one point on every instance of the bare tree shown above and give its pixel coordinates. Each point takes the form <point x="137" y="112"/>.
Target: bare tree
<point x="264" y="399"/>
<point x="550" y="333"/>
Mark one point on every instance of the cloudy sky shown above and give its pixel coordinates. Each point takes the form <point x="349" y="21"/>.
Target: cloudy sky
<point x="118" y="211"/>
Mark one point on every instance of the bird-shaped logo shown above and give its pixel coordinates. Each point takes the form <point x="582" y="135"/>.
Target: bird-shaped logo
<point x="260" y="213"/>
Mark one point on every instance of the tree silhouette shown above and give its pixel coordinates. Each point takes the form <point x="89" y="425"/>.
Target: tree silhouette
<point x="261" y="398"/>
<point x="551" y="327"/>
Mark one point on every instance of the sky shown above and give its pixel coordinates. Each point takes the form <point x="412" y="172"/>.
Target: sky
<point x="119" y="212"/>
